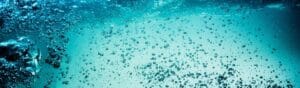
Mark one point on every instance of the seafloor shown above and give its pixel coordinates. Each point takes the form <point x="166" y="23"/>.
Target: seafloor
<point x="160" y="44"/>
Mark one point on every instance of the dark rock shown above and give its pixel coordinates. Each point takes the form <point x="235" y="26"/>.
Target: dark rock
<point x="56" y="64"/>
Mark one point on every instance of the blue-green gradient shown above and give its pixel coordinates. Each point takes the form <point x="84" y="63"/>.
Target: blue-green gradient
<point x="178" y="44"/>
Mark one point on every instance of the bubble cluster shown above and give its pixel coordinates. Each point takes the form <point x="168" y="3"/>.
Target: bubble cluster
<point x="46" y="22"/>
<point x="18" y="61"/>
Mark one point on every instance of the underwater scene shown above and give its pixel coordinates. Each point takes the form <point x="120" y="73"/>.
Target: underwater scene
<point x="149" y="44"/>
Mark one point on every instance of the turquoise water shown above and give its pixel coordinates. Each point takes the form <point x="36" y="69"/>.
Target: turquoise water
<point x="170" y="44"/>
